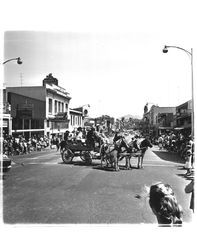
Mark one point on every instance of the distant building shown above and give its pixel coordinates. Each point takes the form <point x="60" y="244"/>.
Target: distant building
<point x="89" y="122"/>
<point x="105" y="122"/>
<point x="78" y="116"/>
<point x="158" y="120"/>
<point x="183" y="117"/>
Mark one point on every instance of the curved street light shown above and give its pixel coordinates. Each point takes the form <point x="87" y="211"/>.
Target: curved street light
<point x="165" y="50"/>
<point x="18" y="59"/>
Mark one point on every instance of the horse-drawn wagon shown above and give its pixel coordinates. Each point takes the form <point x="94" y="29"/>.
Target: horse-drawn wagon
<point x="108" y="153"/>
<point x="78" y="149"/>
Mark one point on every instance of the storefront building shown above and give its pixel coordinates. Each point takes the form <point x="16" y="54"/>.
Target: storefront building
<point x="183" y="117"/>
<point x="39" y="110"/>
<point x="158" y="120"/>
<point x="78" y="116"/>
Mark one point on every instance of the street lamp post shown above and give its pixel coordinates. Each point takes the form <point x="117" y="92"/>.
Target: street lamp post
<point x="18" y="59"/>
<point x="165" y="50"/>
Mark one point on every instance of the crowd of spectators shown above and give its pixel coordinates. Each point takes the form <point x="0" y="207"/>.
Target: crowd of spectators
<point x="21" y="145"/>
<point x="172" y="142"/>
<point x="180" y="143"/>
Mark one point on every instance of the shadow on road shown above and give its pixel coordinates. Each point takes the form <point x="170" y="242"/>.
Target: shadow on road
<point x="105" y="168"/>
<point x="80" y="163"/>
<point x="95" y="165"/>
<point x="168" y="156"/>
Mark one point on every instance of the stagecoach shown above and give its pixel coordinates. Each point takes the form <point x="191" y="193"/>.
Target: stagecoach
<point x="73" y="149"/>
<point x="79" y="149"/>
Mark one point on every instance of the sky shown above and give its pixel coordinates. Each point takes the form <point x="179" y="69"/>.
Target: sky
<point x="116" y="73"/>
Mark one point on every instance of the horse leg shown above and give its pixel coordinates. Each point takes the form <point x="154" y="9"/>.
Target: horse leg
<point x="116" y="165"/>
<point x="142" y="157"/>
<point x="138" y="161"/>
<point x="115" y="161"/>
<point x="103" y="159"/>
<point x="128" y="164"/>
<point x="107" y="162"/>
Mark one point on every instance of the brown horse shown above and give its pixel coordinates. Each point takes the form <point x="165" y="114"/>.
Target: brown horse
<point x="111" y="153"/>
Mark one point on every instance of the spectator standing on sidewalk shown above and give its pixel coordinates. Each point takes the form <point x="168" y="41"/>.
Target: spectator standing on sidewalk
<point x="188" y="162"/>
<point x="57" y="142"/>
<point x="190" y="189"/>
<point x="160" y="142"/>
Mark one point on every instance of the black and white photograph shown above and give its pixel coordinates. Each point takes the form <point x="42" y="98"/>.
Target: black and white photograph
<point x="97" y="118"/>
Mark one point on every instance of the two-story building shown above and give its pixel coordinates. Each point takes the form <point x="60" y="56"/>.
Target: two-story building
<point x="183" y="117"/>
<point x="78" y="116"/>
<point x="39" y="110"/>
<point x="159" y="119"/>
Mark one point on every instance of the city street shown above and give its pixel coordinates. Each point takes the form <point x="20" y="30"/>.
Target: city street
<point x="40" y="188"/>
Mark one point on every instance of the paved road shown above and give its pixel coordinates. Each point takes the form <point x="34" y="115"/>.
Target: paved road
<point x="41" y="189"/>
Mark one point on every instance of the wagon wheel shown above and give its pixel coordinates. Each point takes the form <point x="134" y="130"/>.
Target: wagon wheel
<point x="82" y="155"/>
<point x="67" y="156"/>
<point x="86" y="156"/>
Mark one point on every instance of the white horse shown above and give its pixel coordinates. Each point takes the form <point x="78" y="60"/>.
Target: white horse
<point x="144" y="144"/>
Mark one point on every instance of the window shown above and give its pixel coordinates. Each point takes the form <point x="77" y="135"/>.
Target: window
<point x="55" y="106"/>
<point x="50" y="105"/>
<point x="26" y="124"/>
<point x="37" y="124"/>
<point x="59" y="106"/>
<point x="66" y="107"/>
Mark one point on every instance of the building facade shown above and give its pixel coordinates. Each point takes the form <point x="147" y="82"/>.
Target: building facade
<point x="183" y="117"/>
<point x="78" y="116"/>
<point x="158" y="120"/>
<point x="39" y="110"/>
<point x="6" y="116"/>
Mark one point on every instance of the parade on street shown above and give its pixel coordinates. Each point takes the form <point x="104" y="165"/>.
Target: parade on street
<point x="96" y="130"/>
<point x="41" y="188"/>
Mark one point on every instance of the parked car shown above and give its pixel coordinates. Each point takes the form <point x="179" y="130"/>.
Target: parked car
<point x="6" y="166"/>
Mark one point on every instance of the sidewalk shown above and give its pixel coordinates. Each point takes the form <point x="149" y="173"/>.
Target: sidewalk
<point x="167" y="156"/>
<point x="48" y="149"/>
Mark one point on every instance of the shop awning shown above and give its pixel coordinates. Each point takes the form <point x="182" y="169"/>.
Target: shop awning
<point x="179" y="128"/>
<point x="168" y="128"/>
